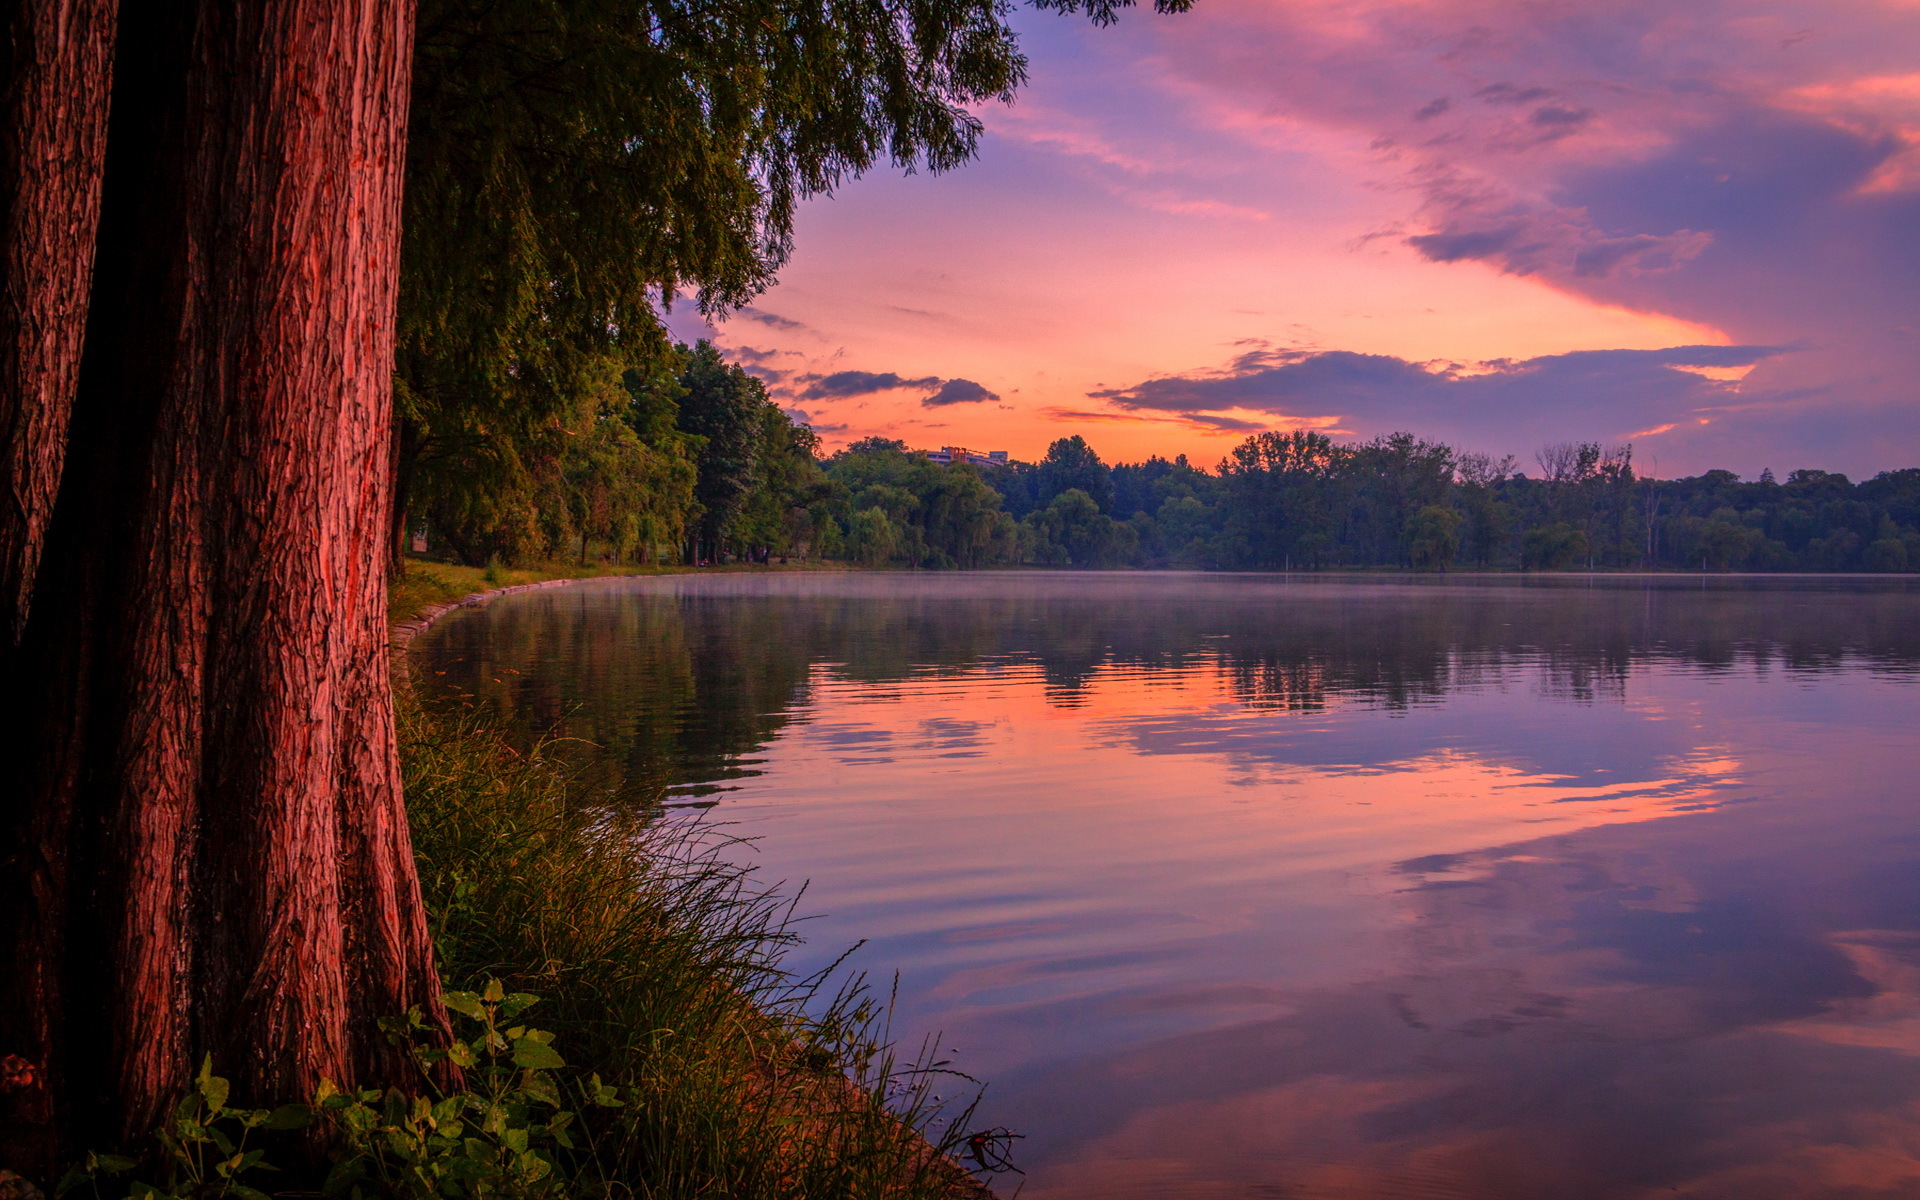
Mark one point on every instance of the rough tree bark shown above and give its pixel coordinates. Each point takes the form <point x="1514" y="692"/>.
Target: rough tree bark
<point x="53" y="138"/>
<point x="211" y="854"/>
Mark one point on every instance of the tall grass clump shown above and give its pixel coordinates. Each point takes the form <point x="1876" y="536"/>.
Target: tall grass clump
<point x="659" y="968"/>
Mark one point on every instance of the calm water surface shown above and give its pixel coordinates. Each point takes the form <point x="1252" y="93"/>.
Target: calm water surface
<point x="1242" y="887"/>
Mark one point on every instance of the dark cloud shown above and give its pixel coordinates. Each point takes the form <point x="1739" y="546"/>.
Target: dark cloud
<point x="1507" y="93"/>
<point x="1432" y="109"/>
<point x="775" y="320"/>
<point x="958" y="391"/>
<point x="1506" y="406"/>
<point x="1555" y="116"/>
<point x="1208" y="421"/>
<point x="1462" y="245"/>
<point x="842" y="384"/>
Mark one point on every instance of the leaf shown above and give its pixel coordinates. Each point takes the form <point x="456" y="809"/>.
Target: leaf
<point x="541" y="1088"/>
<point x="112" y="1164"/>
<point x="517" y="1003"/>
<point x="465" y="1003"/>
<point x="462" y="1055"/>
<point x="533" y="1167"/>
<point x="290" y="1116"/>
<point x="535" y="1056"/>
<point x="495" y="993"/>
<point x="604" y="1096"/>
<point x="211" y="1087"/>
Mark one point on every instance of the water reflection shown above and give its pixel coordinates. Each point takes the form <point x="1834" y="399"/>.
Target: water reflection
<point x="1246" y="887"/>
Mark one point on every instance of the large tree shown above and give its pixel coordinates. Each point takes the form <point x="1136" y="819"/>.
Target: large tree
<point x="205" y="850"/>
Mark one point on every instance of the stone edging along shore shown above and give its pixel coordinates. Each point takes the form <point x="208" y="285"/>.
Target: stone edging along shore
<point x="401" y="635"/>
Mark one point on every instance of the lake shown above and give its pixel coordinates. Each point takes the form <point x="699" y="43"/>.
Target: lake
<point x="1257" y="886"/>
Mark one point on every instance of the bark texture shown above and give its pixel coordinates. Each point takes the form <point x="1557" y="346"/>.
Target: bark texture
<point x="213" y="854"/>
<point x="53" y="138"/>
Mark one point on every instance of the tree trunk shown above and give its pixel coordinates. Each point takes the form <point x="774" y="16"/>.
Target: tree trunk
<point x="53" y="138"/>
<point x="210" y="854"/>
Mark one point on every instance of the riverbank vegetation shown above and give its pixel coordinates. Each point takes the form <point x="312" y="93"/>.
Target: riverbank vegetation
<point x="659" y="967"/>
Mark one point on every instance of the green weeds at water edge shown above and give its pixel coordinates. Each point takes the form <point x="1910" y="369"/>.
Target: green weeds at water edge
<point x="660" y="967"/>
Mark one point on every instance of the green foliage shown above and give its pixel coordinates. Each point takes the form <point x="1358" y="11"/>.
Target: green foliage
<point x="1433" y="538"/>
<point x="502" y="1133"/>
<point x="1301" y="499"/>
<point x="1072" y="531"/>
<point x="1071" y="465"/>
<point x="904" y="509"/>
<point x="684" y="455"/>
<point x="872" y="537"/>
<point x="659" y="964"/>
<point x="572" y="168"/>
<point x="1554" y="547"/>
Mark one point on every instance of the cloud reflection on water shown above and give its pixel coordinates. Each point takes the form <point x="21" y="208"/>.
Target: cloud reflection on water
<point x="1244" y="888"/>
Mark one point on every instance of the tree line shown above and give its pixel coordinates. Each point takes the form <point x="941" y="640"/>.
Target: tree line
<point x="692" y="459"/>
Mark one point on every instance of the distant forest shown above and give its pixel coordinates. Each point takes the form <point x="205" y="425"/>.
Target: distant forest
<point x="691" y="461"/>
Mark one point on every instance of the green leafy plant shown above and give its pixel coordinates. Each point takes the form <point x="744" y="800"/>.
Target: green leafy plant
<point x="204" y="1147"/>
<point x="502" y="1132"/>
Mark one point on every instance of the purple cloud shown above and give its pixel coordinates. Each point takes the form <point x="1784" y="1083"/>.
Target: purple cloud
<point x="958" y="391"/>
<point x="843" y="384"/>
<point x="1696" y="158"/>
<point x="1655" y="396"/>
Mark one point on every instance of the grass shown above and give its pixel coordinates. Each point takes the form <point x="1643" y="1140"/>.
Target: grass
<point x="426" y="583"/>
<point x="659" y="967"/>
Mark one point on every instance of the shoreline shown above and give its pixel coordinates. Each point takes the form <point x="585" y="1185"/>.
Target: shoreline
<point x="958" y="1183"/>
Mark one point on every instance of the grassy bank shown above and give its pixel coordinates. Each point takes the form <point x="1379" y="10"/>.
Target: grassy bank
<point x="427" y="583"/>
<point x="660" y="970"/>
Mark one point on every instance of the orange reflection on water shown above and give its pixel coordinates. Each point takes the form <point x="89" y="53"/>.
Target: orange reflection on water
<point x="1249" y="888"/>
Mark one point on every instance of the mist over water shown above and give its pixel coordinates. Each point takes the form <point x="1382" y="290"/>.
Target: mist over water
<point x="1256" y="886"/>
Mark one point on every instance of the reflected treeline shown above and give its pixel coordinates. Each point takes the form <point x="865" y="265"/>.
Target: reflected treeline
<point x="670" y="685"/>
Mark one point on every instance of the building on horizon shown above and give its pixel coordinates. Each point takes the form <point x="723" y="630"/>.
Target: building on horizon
<point x="960" y="454"/>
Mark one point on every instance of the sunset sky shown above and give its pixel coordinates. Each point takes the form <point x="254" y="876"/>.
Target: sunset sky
<point x="1689" y="224"/>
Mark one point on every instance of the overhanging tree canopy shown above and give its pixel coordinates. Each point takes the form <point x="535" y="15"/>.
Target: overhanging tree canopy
<point x="572" y="166"/>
